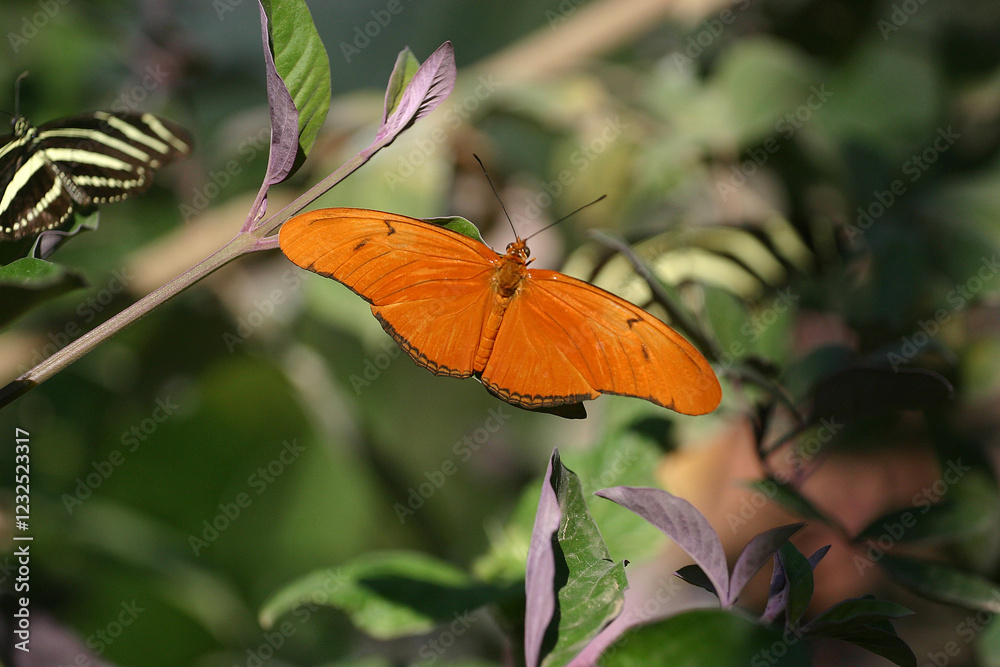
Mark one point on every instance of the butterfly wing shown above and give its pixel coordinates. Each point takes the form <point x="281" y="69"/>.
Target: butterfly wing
<point x="33" y="198"/>
<point x="428" y="286"/>
<point x="563" y="340"/>
<point x="108" y="156"/>
<point x="84" y="160"/>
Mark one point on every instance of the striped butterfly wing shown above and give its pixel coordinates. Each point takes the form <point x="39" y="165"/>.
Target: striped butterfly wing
<point x="49" y="171"/>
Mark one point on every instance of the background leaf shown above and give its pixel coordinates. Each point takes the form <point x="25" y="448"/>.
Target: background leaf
<point x="695" y="638"/>
<point x="391" y="594"/>
<point x="29" y="282"/>
<point x="943" y="583"/>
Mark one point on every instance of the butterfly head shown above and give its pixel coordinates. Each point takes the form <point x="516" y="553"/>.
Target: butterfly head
<point x="20" y="126"/>
<point x="519" y="251"/>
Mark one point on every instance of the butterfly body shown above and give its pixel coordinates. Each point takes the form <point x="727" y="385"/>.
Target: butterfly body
<point x="537" y="339"/>
<point x="49" y="171"/>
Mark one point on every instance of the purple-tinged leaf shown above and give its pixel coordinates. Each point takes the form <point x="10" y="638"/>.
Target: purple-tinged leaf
<point x="682" y="523"/>
<point x="50" y="240"/>
<point x="297" y="71"/>
<point x="539" y="577"/>
<point x="402" y="73"/>
<point x="694" y="575"/>
<point x="777" y="596"/>
<point x="777" y="593"/>
<point x="755" y="554"/>
<point x="818" y="556"/>
<point x="430" y="85"/>
<point x="799" y="586"/>
<point x="284" y="124"/>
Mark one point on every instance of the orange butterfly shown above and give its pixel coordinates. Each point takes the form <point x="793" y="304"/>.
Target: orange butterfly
<point x="537" y="339"/>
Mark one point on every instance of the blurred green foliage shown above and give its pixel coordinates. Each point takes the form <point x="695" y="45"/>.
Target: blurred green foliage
<point x="855" y="144"/>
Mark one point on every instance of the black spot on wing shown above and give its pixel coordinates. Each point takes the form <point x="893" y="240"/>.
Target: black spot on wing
<point x="392" y="230"/>
<point x="632" y="321"/>
<point x="360" y="245"/>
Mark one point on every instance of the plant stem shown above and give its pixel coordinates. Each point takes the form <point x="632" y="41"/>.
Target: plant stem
<point x="62" y="358"/>
<point x="266" y="228"/>
<point x="260" y="238"/>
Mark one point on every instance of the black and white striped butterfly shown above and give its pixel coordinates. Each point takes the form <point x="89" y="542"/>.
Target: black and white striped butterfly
<point x="49" y="171"/>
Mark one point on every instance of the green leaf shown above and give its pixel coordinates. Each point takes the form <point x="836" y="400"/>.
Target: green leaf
<point x="988" y="644"/>
<point x="594" y="590"/>
<point x="402" y="73"/>
<point x="388" y="594"/>
<point x="881" y="639"/>
<point x="624" y="456"/>
<point x="943" y="583"/>
<point x="706" y="637"/>
<point x="28" y="282"/>
<point x="457" y="224"/>
<point x="302" y="62"/>
<point x="799" y="577"/>
<point x="854" y="613"/>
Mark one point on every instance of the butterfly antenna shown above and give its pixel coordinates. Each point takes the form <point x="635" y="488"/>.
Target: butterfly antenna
<point x="566" y="216"/>
<point x="17" y="91"/>
<point x="497" y="194"/>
